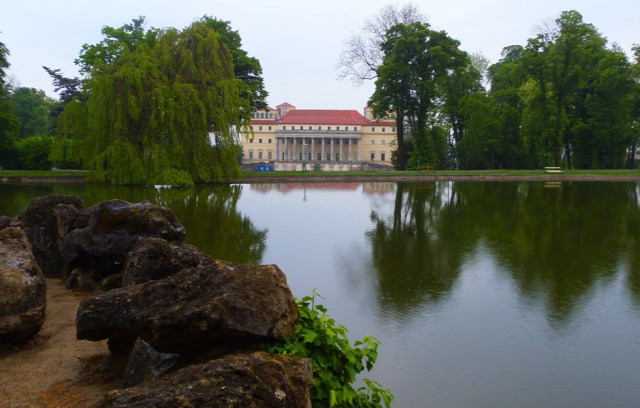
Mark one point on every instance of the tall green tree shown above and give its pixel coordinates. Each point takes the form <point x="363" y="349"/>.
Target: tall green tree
<point x="246" y="68"/>
<point x="415" y="80"/>
<point x="363" y="55"/>
<point x="8" y="124"/>
<point x="158" y="100"/>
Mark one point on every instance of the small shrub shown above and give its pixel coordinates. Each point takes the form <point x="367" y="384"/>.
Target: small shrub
<point x="335" y="361"/>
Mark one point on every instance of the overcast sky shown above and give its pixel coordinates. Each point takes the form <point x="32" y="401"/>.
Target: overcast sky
<point x="297" y="42"/>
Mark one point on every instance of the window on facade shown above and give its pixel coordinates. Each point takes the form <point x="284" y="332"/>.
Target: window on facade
<point x="337" y="127"/>
<point x="260" y="155"/>
<point x="253" y="115"/>
<point x="262" y="115"/>
<point x="373" y="142"/>
<point x="382" y="156"/>
<point x="384" y="129"/>
<point x="300" y="127"/>
<point x="309" y="127"/>
<point x="259" y="140"/>
<point x="393" y="129"/>
<point x="337" y="156"/>
<point x="319" y="156"/>
<point x="355" y="142"/>
<point x="328" y="127"/>
<point x="250" y="155"/>
<point x="259" y="127"/>
<point x="355" y="129"/>
<point x="309" y="155"/>
<point x="269" y="127"/>
<point x="300" y="157"/>
<point x="328" y="156"/>
<point x="269" y="140"/>
<point x="269" y="155"/>
<point x="373" y="156"/>
<point x="270" y="115"/>
<point x="319" y="127"/>
<point x="383" y="141"/>
<point x="250" y="140"/>
<point x="373" y="129"/>
<point x="284" y="128"/>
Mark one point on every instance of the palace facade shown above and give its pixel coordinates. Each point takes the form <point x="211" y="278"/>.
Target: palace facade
<point x="289" y="138"/>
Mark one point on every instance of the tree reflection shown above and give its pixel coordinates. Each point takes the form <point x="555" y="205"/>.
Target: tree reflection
<point x="208" y="213"/>
<point x="416" y="254"/>
<point x="214" y="224"/>
<point x="555" y="244"/>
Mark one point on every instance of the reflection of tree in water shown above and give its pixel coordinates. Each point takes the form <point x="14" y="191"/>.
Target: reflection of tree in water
<point x="416" y="255"/>
<point x="213" y="223"/>
<point x="209" y="214"/>
<point x="556" y="244"/>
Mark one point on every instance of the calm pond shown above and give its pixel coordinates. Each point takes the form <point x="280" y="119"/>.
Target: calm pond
<point x="483" y="294"/>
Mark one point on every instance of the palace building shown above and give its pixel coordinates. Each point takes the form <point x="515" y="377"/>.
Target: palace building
<point x="293" y="139"/>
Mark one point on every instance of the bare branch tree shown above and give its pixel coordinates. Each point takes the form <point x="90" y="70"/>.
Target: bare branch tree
<point x="362" y="54"/>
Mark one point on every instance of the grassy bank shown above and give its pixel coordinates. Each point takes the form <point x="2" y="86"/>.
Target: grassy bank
<point x="321" y="176"/>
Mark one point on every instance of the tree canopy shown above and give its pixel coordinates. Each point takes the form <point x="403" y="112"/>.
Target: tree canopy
<point x="158" y="100"/>
<point x="423" y="76"/>
<point x="565" y="98"/>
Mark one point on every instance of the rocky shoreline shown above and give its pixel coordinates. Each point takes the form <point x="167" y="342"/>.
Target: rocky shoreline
<point x="189" y="328"/>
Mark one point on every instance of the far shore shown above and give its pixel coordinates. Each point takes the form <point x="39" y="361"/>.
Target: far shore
<point x="77" y="177"/>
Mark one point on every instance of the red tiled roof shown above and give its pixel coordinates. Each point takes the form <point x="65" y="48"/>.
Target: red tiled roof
<point x="323" y="117"/>
<point x="285" y="105"/>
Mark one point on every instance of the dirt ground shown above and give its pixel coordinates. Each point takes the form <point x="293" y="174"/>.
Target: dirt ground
<point x="56" y="369"/>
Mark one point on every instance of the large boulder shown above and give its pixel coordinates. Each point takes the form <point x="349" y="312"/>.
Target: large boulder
<point x="40" y="221"/>
<point x="23" y="290"/>
<point x="242" y="380"/>
<point x="195" y="309"/>
<point x="155" y="258"/>
<point x="99" y="249"/>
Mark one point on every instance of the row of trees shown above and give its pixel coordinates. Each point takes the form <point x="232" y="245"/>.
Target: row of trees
<point x="26" y="124"/>
<point x="564" y="98"/>
<point x="151" y="106"/>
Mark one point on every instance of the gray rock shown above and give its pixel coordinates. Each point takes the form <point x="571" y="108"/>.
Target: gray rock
<point x="40" y="222"/>
<point x="100" y="248"/>
<point x="194" y="309"/>
<point x="242" y="380"/>
<point x="155" y="258"/>
<point x="23" y="290"/>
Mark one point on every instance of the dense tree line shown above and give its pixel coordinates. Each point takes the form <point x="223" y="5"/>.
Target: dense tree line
<point x="565" y="98"/>
<point x="151" y="106"/>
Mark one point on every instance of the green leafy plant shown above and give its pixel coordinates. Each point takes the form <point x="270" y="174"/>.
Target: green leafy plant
<point x="335" y="361"/>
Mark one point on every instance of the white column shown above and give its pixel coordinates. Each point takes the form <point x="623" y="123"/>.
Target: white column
<point x="341" y="141"/>
<point x="313" y="149"/>
<point x="333" y="158"/>
<point x="286" y="149"/>
<point x="360" y="149"/>
<point x="350" y="156"/>
<point x="322" y="156"/>
<point x="295" y="150"/>
<point x="277" y="149"/>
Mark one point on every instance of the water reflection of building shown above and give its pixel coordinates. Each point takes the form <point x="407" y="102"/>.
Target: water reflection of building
<point x="321" y="139"/>
<point x="379" y="187"/>
<point x="289" y="187"/>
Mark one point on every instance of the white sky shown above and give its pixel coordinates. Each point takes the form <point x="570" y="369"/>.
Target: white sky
<point x="297" y="41"/>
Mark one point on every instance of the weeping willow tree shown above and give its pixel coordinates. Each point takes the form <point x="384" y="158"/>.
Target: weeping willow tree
<point x="164" y="102"/>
